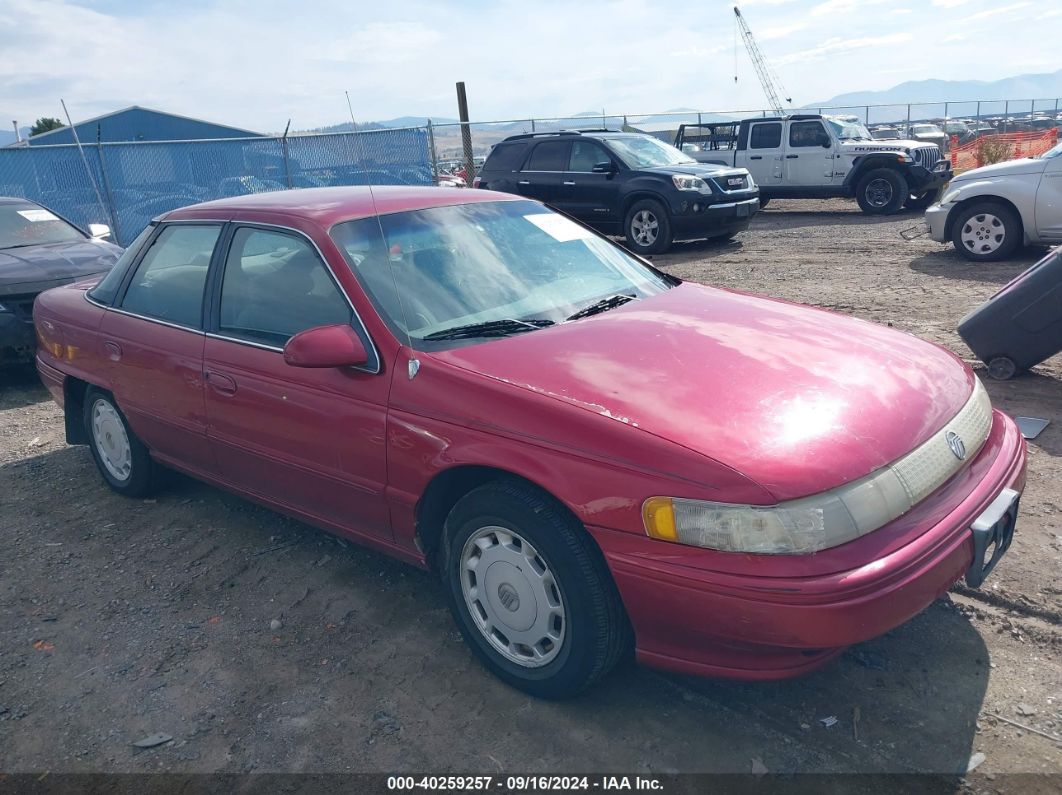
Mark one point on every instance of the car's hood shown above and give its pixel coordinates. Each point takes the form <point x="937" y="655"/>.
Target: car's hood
<point x="35" y="267"/>
<point x="697" y="169"/>
<point x="1010" y="168"/>
<point x="797" y="399"/>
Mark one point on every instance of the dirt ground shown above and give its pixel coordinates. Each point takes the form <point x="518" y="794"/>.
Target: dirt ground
<point x="122" y="619"/>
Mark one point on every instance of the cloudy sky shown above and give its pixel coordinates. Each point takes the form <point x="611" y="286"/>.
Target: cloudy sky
<point x="255" y="63"/>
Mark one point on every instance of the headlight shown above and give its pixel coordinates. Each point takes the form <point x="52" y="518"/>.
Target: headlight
<point x="832" y="518"/>
<point x="951" y="196"/>
<point x="789" y="530"/>
<point x="4" y="308"/>
<point x="690" y="182"/>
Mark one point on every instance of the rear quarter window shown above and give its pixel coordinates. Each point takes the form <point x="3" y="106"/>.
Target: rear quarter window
<point x="505" y="157"/>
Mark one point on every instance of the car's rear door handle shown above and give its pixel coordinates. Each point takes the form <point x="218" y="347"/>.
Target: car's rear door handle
<point x="791" y="157"/>
<point x="755" y="157"/>
<point x="569" y="183"/>
<point x="523" y="182"/>
<point x="221" y="383"/>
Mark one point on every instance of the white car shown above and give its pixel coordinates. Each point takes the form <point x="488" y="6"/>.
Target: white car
<point x="989" y="212"/>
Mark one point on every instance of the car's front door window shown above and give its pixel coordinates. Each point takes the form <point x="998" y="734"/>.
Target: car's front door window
<point x="168" y="284"/>
<point x="274" y="286"/>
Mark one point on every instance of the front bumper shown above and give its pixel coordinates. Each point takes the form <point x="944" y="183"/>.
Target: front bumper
<point x="710" y="619"/>
<point x="922" y="180"/>
<point x="693" y="217"/>
<point x="937" y="221"/>
<point x="18" y="340"/>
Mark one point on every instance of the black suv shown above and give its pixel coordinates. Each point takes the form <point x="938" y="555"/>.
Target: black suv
<point x="624" y="184"/>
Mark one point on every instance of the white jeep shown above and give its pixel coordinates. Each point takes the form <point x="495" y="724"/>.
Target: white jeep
<point x="988" y="212"/>
<point x="809" y="156"/>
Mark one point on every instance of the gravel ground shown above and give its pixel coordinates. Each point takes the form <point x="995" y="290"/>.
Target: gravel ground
<point x="261" y="644"/>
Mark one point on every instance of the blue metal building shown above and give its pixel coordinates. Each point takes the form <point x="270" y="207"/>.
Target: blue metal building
<point x="139" y="124"/>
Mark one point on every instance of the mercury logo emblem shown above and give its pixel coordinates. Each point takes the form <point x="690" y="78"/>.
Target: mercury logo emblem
<point x="956" y="445"/>
<point x="507" y="596"/>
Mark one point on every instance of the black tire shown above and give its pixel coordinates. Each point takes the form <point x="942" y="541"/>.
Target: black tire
<point x="140" y="479"/>
<point x="1001" y="368"/>
<point x="594" y="629"/>
<point x="763" y="203"/>
<point x="992" y="231"/>
<point x="657" y="239"/>
<point x="920" y="201"/>
<point x="881" y="191"/>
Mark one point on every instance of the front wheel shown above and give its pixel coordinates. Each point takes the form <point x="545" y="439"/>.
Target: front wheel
<point x="647" y="227"/>
<point x="763" y="203"/>
<point x="120" y="456"/>
<point x="530" y="592"/>
<point x="882" y="191"/>
<point x="986" y="231"/>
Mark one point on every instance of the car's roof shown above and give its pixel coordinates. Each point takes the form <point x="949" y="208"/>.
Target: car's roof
<point x="15" y="200"/>
<point x="328" y="206"/>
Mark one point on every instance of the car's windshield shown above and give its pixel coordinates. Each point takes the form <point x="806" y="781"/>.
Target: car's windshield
<point x="1054" y="151"/>
<point x="27" y="224"/>
<point x="513" y="264"/>
<point x="924" y="129"/>
<point x="850" y="130"/>
<point x="642" y="151"/>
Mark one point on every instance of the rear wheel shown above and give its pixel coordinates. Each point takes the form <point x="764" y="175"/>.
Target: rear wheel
<point x="986" y="231"/>
<point x="881" y="191"/>
<point x="120" y="456"/>
<point x="530" y="592"/>
<point x="647" y="227"/>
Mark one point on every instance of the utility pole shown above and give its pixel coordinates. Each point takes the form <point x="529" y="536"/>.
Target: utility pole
<point x="466" y="132"/>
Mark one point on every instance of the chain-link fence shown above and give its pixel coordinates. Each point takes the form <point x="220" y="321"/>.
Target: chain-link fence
<point x="125" y="185"/>
<point x="966" y="119"/>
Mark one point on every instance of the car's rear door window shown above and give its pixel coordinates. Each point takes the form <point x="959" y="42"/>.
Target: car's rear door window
<point x="274" y="286"/>
<point x="549" y="156"/>
<point x="168" y="284"/>
<point x="766" y="135"/>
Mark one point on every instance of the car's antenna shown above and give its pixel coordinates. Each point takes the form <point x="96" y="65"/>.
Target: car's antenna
<point x="81" y="150"/>
<point x="413" y="367"/>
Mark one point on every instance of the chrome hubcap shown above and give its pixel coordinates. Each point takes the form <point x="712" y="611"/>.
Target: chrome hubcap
<point x="111" y="440"/>
<point x="513" y="598"/>
<point x="879" y="192"/>
<point x="644" y="228"/>
<point x="983" y="234"/>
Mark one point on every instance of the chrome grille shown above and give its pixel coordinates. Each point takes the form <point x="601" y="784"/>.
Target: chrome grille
<point x="926" y="156"/>
<point x="732" y="182"/>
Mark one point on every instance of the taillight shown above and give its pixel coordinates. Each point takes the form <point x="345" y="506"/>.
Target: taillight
<point x="475" y="182"/>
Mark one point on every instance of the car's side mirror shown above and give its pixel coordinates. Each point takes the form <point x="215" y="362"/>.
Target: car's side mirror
<point x="605" y="167"/>
<point x="827" y="144"/>
<point x="326" y="346"/>
<point x="99" y="231"/>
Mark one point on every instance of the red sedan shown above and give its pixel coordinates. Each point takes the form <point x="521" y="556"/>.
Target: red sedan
<point x="591" y="453"/>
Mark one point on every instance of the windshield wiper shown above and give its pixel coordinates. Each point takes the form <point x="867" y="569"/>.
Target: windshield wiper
<point x="603" y="305"/>
<point x="489" y="328"/>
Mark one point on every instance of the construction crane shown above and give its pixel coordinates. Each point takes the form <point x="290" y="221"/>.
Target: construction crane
<point x="772" y="85"/>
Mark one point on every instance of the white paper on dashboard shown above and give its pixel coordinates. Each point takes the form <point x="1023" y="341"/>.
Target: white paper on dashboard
<point x="559" y="228"/>
<point x="37" y="215"/>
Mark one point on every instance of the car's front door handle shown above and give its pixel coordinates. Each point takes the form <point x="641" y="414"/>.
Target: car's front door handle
<point x="569" y="183"/>
<point x="755" y="157"/>
<point x="523" y="182"/>
<point x="221" y="383"/>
